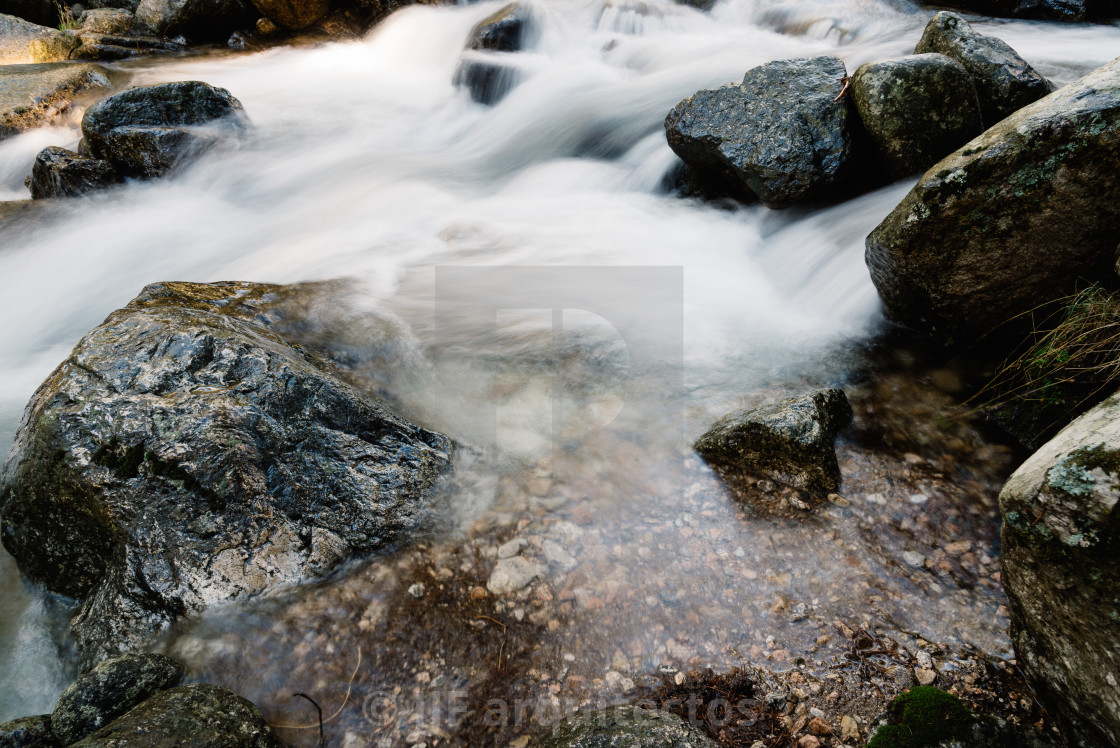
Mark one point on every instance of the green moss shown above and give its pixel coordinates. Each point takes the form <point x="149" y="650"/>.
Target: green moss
<point x="924" y="716"/>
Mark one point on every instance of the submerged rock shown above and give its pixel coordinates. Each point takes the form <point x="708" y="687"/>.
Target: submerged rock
<point x="504" y="31"/>
<point x="35" y="95"/>
<point x="28" y="732"/>
<point x="186" y="455"/>
<point x="627" y="726"/>
<point x="790" y="441"/>
<point x="1004" y="82"/>
<point x="1018" y="217"/>
<point x="916" y="109"/>
<point x="1061" y="571"/>
<point x="110" y="690"/>
<point x="513" y="574"/>
<point x="58" y="172"/>
<point x="201" y="20"/>
<point x="149" y="130"/>
<point x="487" y="81"/>
<point x="200" y="715"/>
<point x="783" y="133"/>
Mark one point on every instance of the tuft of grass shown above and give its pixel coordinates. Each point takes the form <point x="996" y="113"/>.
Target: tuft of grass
<point x="1069" y="362"/>
<point x="66" y="20"/>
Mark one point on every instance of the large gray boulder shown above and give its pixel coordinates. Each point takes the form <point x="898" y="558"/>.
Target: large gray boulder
<point x="106" y="21"/>
<point x="147" y="131"/>
<point x="198" y="20"/>
<point x="790" y="441"/>
<point x="186" y="455"/>
<point x="195" y="716"/>
<point x="1004" y="82"/>
<point x="110" y="690"/>
<point x="36" y="95"/>
<point x="1017" y="217"/>
<point x="58" y="172"/>
<point x="16" y="37"/>
<point x="628" y="726"/>
<point x="916" y="109"/>
<point x="1061" y="571"/>
<point x="783" y="133"/>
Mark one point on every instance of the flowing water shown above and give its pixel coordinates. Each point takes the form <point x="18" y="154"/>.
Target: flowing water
<point x="367" y="163"/>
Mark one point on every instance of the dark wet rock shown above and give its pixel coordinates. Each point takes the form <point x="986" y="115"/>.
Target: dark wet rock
<point x="783" y="133"/>
<point x="1017" y="217"/>
<point x="199" y="715"/>
<point x="149" y="130"/>
<point x="504" y="31"/>
<point x="487" y="81"/>
<point x="293" y="14"/>
<point x="107" y="21"/>
<point x="199" y="20"/>
<point x="790" y="441"/>
<point x="186" y="455"/>
<point x="35" y="95"/>
<point x="916" y="109"/>
<point x="110" y="690"/>
<point x="129" y="5"/>
<point x="1045" y="10"/>
<point x="28" y="732"/>
<point x="16" y="37"/>
<point x="1061" y="571"/>
<point x="627" y="726"/>
<point x="109" y="47"/>
<point x="1004" y="82"/>
<point x="58" y="172"/>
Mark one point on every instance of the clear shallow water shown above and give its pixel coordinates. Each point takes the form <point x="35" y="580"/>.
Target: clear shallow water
<point x="367" y="163"/>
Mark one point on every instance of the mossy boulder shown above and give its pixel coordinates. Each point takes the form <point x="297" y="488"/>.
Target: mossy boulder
<point x="195" y="716"/>
<point x="186" y="454"/>
<point x="1061" y="571"/>
<point x="627" y="726"/>
<point x="58" y="172"/>
<point x="110" y="690"/>
<point x="790" y="441"/>
<point x="1019" y="216"/>
<point x="147" y="131"/>
<point x="28" y="732"/>
<point x="1005" y="82"/>
<point x="783" y="133"/>
<point x="916" y="109"/>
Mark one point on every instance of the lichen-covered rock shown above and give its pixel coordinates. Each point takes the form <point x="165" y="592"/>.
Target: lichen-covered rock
<point x="790" y="441"/>
<point x="783" y="133"/>
<point x="16" y="37"/>
<point x="627" y="726"/>
<point x="916" y="109"/>
<point x="1017" y="217"/>
<point x="147" y="131"/>
<point x="58" y="172"/>
<point x="110" y="690"/>
<point x="1061" y="571"/>
<point x="504" y="31"/>
<point x="186" y="455"/>
<point x="1004" y="82"/>
<point x="199" y="20"/>
<point x="28" y="732"/>
<point x="293" y="14"/>
<point x="35" y="95"/>
<point x="195" y="716"/>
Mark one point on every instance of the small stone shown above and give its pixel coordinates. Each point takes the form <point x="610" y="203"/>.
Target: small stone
<point x="925" y="676"/>
<point x="849" y="729"/>
<point x="512" y="548"/>
<point x="809" y="741"/>
<point x="913" y="558"/>
<point x="876" y="498"/>
<point x="838" y="500"/>
<point x="513" y="574"/>
<point x="478" y="593"/>
<point x="554" y="553"/>
<point x="818" y="726"/>
<point x="958" y="548"/>
<point x="918" y="498"/>
<point x="416" y="590"/>
<point x="924" y="659"/>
